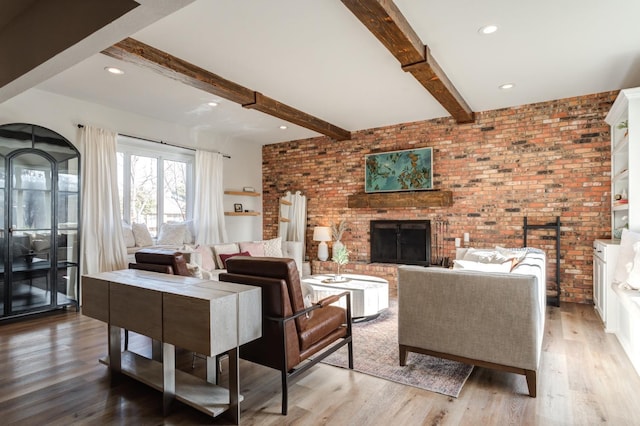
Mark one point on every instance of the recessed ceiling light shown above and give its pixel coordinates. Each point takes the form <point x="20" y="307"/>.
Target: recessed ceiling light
<point x="506" y="86"/>
<point x="212" y="104"/>
<point x="114" y="70"/>
<point x="488" y="29"/>
<point x="283" y="127"/>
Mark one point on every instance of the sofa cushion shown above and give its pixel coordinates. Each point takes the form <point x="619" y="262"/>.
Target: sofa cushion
<point x="256" y="249"/>
<point x="219" y="249"/>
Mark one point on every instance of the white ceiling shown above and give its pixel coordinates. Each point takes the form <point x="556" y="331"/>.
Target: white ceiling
<point x="314" y="55"/>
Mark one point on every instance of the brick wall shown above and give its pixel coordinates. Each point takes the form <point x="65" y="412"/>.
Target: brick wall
<point x="541" y="160"/>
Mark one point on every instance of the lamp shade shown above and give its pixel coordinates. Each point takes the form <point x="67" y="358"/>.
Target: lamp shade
<point x="322" y="233"/>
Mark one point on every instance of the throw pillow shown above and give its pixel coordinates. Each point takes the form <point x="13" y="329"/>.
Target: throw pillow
<point x="469" y="265"/>
<point x="514" y="255"/>
<point x="307" y="294"/>
<point x="141" y="235"/>
<point x="256" y="249"/>
<point x="127" y="233"/>
<point x="480" y="255"/>
<point x="633" y="280"/>
<point x="194" y="270"/>
<point x="171" y="234"/>
<point x="207" y="261"/>
<point x="189" y="232"/>
<point x="219" y="249"/>
<point x="626" y="255"/>
<point x="224" y="257"/>
<point x="273" y="247"/>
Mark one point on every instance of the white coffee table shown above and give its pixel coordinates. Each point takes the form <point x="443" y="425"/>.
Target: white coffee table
<point x="369" y="295"/>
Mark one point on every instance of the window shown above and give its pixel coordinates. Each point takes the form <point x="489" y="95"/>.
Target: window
<point x="155" y="182"/>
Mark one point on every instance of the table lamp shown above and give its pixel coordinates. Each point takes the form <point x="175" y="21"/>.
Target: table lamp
<point x="322" y="234"/>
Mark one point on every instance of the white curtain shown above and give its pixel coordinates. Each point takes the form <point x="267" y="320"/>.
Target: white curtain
<point x="103" y="246"/>
<point x="297" y="217"/>
<point x="295" y="211"/>
<point x="209" y="209"/>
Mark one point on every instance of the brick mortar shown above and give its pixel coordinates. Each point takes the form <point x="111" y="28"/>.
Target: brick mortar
<point x="540" y="160"/>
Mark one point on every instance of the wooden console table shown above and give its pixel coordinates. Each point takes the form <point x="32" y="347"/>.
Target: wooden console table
<point x="205" y="317"/>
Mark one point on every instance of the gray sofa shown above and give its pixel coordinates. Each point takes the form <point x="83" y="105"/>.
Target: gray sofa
<point x="487" y="319"/>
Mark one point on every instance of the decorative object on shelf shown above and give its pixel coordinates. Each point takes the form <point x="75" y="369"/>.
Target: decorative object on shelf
<point x="407" y="170"/>
<point x="617" y="232"/>
<point x="624" y="125"/>
<point x="248" y="189"/>
<point x="237" y="208"/>
<point x="322" y="234"/>
<point x="337" y="230"/>
<point x="341" y="258"/>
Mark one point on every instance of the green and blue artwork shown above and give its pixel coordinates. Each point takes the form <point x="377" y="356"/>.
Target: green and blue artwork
<point x="407" y="170"/>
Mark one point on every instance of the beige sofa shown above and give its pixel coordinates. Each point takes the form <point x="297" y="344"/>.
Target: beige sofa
<point x="487" y="319"/>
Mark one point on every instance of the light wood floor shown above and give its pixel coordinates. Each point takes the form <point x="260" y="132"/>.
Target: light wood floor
<point x="49" y="374"/>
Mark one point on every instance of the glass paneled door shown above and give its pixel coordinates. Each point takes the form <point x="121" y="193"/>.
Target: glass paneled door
<point x="30" y="233"/>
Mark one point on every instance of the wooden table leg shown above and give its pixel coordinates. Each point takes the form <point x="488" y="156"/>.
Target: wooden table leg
<point x="234" y="386"/>
<point x="168" y="376"/>
<point x="115" y="354"/>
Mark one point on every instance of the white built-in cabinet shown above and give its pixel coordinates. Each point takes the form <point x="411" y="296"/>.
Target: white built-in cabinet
<point x="621" y="308"/>
<point x="605" y="253"/>
<point x="624" y="119"/>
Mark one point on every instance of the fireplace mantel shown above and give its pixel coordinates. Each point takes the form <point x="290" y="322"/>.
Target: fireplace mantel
<point x="401" y="199"/>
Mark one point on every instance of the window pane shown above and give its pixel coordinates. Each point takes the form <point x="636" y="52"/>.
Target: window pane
<point x="67" y="210"/>
<point x="68" y="175"/>
<point x="175" y="191"/>
<point x="31" y="207"/>
<point x="144" y="191"/>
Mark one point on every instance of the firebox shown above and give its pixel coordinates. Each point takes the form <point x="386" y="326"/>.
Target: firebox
<point x="401" y="241"/>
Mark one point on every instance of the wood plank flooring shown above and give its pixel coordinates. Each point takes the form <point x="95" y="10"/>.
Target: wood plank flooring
<point x="50" y="375"/>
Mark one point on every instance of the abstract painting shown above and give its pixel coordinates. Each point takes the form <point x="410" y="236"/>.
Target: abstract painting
<point x="407" y="170"/>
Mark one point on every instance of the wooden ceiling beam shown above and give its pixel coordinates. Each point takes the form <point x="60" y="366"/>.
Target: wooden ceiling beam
<point x="278" y="109"/>
<point x="390" y="27"/>
<point x="141" y="54"/>
<point x="165" y="64"/>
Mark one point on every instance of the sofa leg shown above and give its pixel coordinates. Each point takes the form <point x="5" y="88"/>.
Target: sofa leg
<point x="531" y="382"/>
<point x="403" y="355"/>
<point x="350" y="348"/>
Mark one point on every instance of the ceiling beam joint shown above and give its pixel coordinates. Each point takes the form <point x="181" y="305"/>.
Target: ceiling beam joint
<point x="387" y="23"/>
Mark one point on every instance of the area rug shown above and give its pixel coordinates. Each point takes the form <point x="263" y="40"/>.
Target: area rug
<point x="375" y="352"/>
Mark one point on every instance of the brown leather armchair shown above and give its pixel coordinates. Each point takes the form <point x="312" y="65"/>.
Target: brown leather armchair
<point x="161" y="260"/>
<point x="291" y="333"/>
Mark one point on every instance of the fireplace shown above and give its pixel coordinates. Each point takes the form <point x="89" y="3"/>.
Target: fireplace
<point x="401" y="241"/>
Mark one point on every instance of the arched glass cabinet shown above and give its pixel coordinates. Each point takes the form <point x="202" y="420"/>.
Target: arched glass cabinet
<point x="39" y="221"/>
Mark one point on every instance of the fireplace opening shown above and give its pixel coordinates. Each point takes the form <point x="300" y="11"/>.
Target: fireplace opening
<point x="401" y="241"/>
